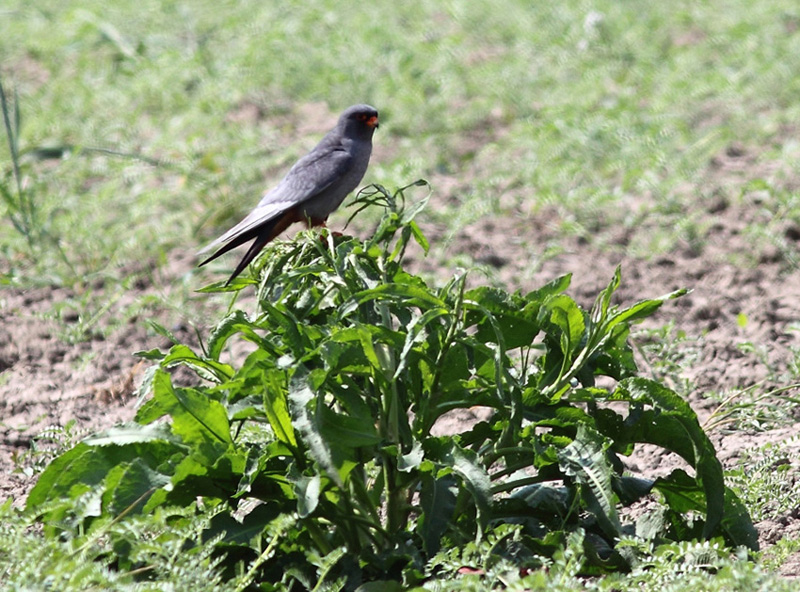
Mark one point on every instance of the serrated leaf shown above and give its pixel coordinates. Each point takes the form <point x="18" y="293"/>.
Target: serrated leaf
<point x="412" y="460"/>
<point x="146" y="383"/>
<point x="224" y="330"/>
<point x="304" y="422"/>
<point x="464" y="463"/>
<point x="438" y="502"/>
<point x="585" y="459"/>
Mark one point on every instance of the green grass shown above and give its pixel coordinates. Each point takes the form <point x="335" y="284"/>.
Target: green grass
<point x="609" y="113"/>
<point x="596" y="115"/>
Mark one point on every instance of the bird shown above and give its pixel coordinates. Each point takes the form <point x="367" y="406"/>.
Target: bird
<point x="312" y="189"/>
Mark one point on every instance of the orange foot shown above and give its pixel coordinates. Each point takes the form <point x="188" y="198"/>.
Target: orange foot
<point x="333" y="233"/>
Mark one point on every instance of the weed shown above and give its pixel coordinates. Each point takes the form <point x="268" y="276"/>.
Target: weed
<point x="328" y="424"/>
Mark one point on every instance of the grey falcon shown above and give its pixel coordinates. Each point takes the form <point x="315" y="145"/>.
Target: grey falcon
<point x="312" y="189"/>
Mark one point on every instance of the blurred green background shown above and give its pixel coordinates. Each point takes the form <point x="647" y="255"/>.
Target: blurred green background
<point x="596" y="115"/>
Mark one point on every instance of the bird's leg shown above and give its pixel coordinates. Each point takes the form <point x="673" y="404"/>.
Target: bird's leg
<point x="321" y="223"/>
<point x="316" y="222"/>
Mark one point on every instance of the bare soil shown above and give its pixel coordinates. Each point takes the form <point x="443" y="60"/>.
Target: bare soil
<point x="44" y="381"/>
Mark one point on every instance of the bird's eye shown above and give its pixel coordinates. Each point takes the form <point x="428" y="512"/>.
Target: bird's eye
<point x="362" y="116"/>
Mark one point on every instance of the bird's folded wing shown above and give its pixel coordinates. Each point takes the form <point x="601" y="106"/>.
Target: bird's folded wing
<point x="311" y="175"/>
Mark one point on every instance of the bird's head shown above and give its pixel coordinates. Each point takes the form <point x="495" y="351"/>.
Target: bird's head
<point x="359" y="121"/>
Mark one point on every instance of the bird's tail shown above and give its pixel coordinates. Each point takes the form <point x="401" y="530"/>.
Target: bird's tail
<point x="255" y="248"/>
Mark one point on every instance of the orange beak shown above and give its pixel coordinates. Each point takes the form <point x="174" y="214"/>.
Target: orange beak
<point x="373" y="121"/>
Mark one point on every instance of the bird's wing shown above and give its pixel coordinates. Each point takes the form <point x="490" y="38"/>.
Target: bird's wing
<point x="311" y="175"/>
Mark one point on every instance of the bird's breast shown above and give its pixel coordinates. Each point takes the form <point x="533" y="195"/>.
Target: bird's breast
<point x="328" y="200"/>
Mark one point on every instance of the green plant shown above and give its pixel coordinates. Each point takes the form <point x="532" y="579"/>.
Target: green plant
<point x="317" y="452"/>
<point x="166" y="546"/>
<point x="17" y="198"/>
<point x="765" y="480"/>
<point x="19" y="203"/>
<point x="667" y="352"/>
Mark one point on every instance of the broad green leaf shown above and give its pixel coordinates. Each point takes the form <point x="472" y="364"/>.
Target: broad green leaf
<point x="209" y="369"/>
<point x="77" y="466"/>
<point x="307" y="491"/>
<point x="212" y="471"/>
<point x="454" y="368"/>
<point x="585" y="459"/>
<point x="466" y="465"/>
<point x="641" y="309"/>
<point x="154" y="354"/>
<point x="351" y="396"/>
<point x="515" y="317"/>
<point x="631" y="489"/>
<point x="416" y="333"/>
<point x="130" y="434"/>
<point x="438" y="502"/>
<point x="494" y="300"/>
<point x="350" y="432"/>
<point x="412" y="460"/>
<point x="249" y="531"/>
<point x="85" y="466"/>
<point x="737" y="524"/>
<point x="304" y="422"/>
<point x="682" y="492"/>
<point x="150" y="410"/>
<point x="276" y="406"/>
<point x="544" y="499"/>
<point x="225" y="329"/>
<point x="673" y="425"/>
<point x="447" y="453"/>
<point x="129" y="485"/>
<point x="564" y="313"/>
<point x="409" y="294"/>
<point x="291" y="327"/>
<point x="362" y="335"/>
<point x="551" y="288"/>
<point x="196" y="418"/>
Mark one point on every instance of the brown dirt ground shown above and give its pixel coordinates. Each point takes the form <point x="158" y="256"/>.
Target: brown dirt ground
<point x="46" y="382"/>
